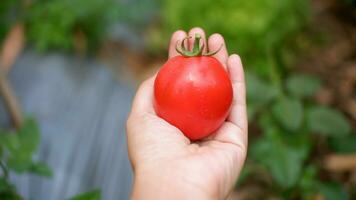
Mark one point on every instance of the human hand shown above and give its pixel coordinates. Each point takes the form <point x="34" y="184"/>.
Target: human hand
<point x="166" y="164"/>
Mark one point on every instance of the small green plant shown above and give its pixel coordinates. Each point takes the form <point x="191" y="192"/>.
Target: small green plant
<point x="56" y="23"/>
<point x="290" y="121"/>
<point x="91" y="195"/>
<point x="16" y="156"/>
<point x="256" y="29"/>
<point x="7" y="8"/>
<point x="52" y="24"/>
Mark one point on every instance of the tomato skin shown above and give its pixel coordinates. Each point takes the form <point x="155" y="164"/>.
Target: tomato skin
<point x="194" y="94"/>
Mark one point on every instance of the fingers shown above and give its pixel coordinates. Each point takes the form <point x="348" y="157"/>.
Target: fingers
<point x="234" y="131"/>
<point x="192" y="33"/>
<point x="143" y="102"/>
<point x="214" y="43"/>
<point x="177" y="36"/>
<point x="238" y="114"/>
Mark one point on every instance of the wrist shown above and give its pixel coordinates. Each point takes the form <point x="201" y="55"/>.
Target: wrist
<point x="165" y="184"/>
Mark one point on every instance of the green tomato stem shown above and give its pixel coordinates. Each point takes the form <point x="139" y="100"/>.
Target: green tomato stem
<point x="197" y="48"/>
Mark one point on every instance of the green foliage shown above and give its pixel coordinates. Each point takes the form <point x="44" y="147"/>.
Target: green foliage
<point x="256" y="29"/>
<point x="92" y="195"/>
<point x="259" y="91"/>
<point x="308" y="182"/>
<point x="259" y="94"/>
<point x="332" y="191"/>
<point x="17" y="149"/>
<point x="16" y="152"/>
<point x="345" y="144"/>
<point x="284" y="161"/>
<point x="287" y="119"/>
<point x="289" y="113"/>
<point x="301" y="85"/>
<point x="52" y="24"/>
<point x="41" y="169"/>
<point x="328" y="121"/>
<point x="7" y="9"/>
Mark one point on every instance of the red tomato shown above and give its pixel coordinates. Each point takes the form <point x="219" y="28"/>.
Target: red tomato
<point x="194" y="94"/>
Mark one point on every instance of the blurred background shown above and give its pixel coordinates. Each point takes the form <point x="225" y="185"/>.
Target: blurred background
<point x="69" y="70"/>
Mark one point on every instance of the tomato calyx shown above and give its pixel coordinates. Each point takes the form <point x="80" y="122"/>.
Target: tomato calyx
<point x="197" y="48"/>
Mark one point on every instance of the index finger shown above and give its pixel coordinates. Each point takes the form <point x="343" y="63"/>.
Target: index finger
<point x="176" y="37"/>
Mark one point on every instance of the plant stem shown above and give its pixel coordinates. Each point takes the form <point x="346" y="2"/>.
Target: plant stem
<point x="4" y="170"/>
<point x="10" y="101"/>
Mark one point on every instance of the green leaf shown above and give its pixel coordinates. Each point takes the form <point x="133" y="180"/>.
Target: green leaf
<point x="267" y="123"/>
<point x="332" y="191"/>
<point x="20" y="162"/>
<point x="41" y="169"/>
<point x="289" y="113"/>
<point x="10" y="195"/>
<point x="29" y="136"/>
<point x="308" y="182"/>
<point x="244" y="174"/>
<point x="283" y="161"/>
<point x="328" y="121"/>
<point x="8" y="190"/>
<point x="343" y="144"/>
<point x="302" y="85"/>
<point x="4" y="185"/>
<point x="22" y="145"/>
<point x="92" y="195"/>
<point x="252" y="109"/>
<point x="10" y="141"/>
<point x="259" y="91"/>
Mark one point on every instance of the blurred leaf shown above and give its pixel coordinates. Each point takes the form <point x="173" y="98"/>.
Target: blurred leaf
<point x="41" y="169"/>
<point x="29" y="136"/>
<point x="244" y="174"/>
<point x="10" y="195"/>
<point x="21" y="146"/>
<point x="302" y="85"/>
<point x="263" y="26"/>
<point x="8" y="11"/>
<point x="251" y="111"/>
<point x="332" y="191"/>
<point x="8" y="190"/>
<point x="283" y="161"/>
<point x="258" y="91"/>
<point x="267" y="123"/>
<point x="328" y="121"/>
<point x="93" y="195"/>
<point x="343" y="144"/>
<point x="9" y="141"/>
<point x="19" y="162"/>
<point x="308" y="182"/>
<point x="288" y="112"/>
<point x="49" y="27"/>
<point x="4" y="185"/>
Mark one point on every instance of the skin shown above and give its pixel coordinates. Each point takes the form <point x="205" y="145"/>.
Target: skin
<point x="166" y="164"/>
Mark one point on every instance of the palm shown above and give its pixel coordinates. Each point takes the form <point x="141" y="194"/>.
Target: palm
<point x="212" y="164"/>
